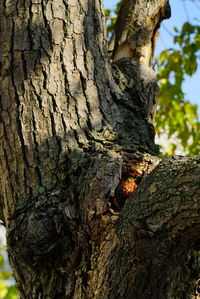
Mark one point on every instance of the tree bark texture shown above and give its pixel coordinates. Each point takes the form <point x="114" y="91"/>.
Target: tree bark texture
<point x="136" y="33"/>
<point x="76" y="141"/>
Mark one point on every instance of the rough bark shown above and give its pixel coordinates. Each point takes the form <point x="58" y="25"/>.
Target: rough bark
<point x="136" y="33"/>
<point x="76" y="140"/>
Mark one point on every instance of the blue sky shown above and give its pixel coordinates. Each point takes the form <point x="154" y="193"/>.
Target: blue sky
<point x="182" y="11"/>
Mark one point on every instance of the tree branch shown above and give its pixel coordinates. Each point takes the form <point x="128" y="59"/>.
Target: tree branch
<point x="136" y="28"/>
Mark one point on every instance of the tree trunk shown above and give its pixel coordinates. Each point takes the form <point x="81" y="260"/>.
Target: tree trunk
<point x="76" y="140"/>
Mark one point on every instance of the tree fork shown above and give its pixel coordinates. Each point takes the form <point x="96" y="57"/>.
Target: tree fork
<point x="77" y="143"/>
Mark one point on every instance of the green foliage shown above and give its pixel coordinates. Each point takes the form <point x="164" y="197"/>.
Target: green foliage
<point x="177" y="115"/>
<point x="7" y="290"/>
<point x="111" y="17"/>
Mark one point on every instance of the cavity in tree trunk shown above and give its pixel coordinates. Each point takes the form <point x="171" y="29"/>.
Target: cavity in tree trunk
<point x="88" y="211"/>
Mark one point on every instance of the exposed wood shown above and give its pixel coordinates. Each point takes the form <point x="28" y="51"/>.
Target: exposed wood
<point x="136" y="33"/>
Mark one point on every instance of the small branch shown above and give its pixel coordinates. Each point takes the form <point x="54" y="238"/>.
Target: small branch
<point x="111" y="17"/>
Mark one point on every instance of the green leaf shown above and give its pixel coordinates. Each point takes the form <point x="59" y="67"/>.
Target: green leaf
<point x="1" y="261"/>
<point x="12" y="293"/>
<point x="3" y="289"/>
<point x="5" y="274"/>
<point x="176" y="29"/>
<point x="175" y="115"/>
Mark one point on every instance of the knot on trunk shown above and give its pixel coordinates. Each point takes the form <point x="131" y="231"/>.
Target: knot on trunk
<point x="39" y="230"/>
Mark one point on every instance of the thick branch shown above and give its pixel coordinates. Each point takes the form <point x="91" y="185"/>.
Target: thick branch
<point x="166" y="198"/>
<point x="150" y="251"/>
<point x="158" y="232"/>
<point x="136" y="28"/>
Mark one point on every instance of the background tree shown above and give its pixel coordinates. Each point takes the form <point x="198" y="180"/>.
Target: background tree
<point x="76" y="140"/>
